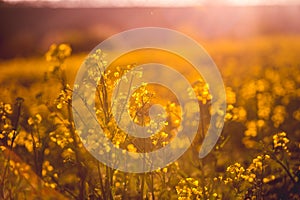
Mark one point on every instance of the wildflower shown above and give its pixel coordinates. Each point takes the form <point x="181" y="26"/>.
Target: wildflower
<point x="68" y="155"/>
<point x="131" y="148"/>
<point x="280" y="141"/>
<point x="47" y="167"/>
<point x="201" y="89"/>
<point x="260" y="123"/>
<point x="262" y="85"/>
<point x="268" y="179"/>
<point x="235" y="172"/>
<point x="116" y="74"/>
<point x="257" y="162"/>
<point x="165" y="169"/>
<point x="230" y="96"/>
<point x="189" y="188"/>
<point x="279" y="114"/>
<point x="2" y="148"/>
<point x="58" y="52"/>
<point x="30" y="121"/>
<point x="37" y="119"/>
<point x="7" y="108"/>
<point x="251" y="129"/>
<point x="251" y="177"/>
<point x="264" y="104"/>
<point x="248" y="90"/>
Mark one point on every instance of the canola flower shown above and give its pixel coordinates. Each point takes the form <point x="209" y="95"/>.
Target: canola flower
<point x="5" y="122"/>
<point x="201" y="89"/>
<point x="37" y="119"/>
<point x="188" y="188"/>
<point x="58" y="52"/>
<point x="280" y="142"/>
<point x="279" y="114"/>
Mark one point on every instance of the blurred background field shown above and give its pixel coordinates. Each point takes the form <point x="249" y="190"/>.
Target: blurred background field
<point x="29" y="31"/>
<point x="237" y="59"/>
<point x="256" y="49"/>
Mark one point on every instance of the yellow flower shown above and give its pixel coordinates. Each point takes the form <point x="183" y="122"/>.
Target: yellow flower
<point x="230" y="96"/>
<point x="131" y="148"/>
<point x="38" y="118"/>
<point x="201" y="89"/>
<point x="279" y="115"/>
<point x="58" y="52"/>
<point x="165" y="170"/>
<point x="280" y="141"/>
<point x="30" y="121"/>
<point x="2" y="148"/>
<point x="251" y="129"/>
<point x="8" y="108"/>
<point x="268" y="179"/>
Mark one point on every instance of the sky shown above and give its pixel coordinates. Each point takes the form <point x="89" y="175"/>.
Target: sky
<point x="167" y="3"/>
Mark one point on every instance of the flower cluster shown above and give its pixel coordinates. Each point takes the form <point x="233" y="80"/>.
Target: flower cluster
<point x="58" y="52"/>
<point x="140" y="105"/>
<point x="201" y="90"/>
<point x="47" y="169"/>
<point x="235" y="172"/>
<point x="64" y="98"/>
<point x="37" y="119"/>
<point x="258" y="163"/>
<point x="280" y="142"/>
<point x="5" y="122"/>
<point x="189" y="188"/>
<point x="279" y="114"/>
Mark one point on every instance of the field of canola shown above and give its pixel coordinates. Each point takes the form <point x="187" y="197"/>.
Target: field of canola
<point x="257" y="156"/>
